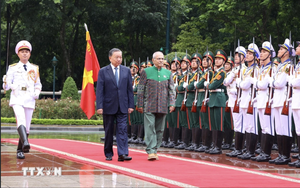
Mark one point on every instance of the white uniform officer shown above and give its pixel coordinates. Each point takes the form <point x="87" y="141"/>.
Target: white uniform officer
<point x="294" y="81"/>
<point x="23" y="79"/>
<point x="230" y="82"/>
<point x="283" y="123"/>
<point x="262" y="85"/>
<point x="249" y="120"/>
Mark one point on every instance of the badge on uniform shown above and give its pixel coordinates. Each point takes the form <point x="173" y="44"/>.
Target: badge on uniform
<point x="31" y="74"/>
<point x="219" y="77"/>
<point x="287" y="70"/>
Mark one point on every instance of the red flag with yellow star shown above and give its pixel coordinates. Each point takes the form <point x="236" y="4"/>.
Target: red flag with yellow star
<point x="90" y="75"/>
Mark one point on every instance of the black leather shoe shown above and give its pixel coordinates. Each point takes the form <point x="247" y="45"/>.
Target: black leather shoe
<point x="181" y="146"/>
<point x="295" y="156"/>
<point x="226" y="146"/>
<point x="108" y="158"/>
<point x="216" y="150"/>
<point x="263" y="157"/>
<point x="275" y="147"/>
<point x="20" y="155"/>
<point x="272" y="161"/>
<point x="202" y="148"/>
<point x="294" y="163"/>
<point x="283" y="160"/>
<point x="124" y="158"/>
<point x="171" y="144"/>
<point x="246" y="156"/>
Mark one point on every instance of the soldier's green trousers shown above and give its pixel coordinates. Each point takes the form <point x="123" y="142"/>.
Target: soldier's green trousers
<point x="204" y="120"/>
<point x="228" y="121"/>
<point x="193" y="118"/>
<point x="216" y="115"/>
<point x="154" y="127"/>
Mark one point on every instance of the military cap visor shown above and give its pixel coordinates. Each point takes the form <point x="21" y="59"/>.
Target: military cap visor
<point x="221" y="54"/>
<point x="23" y="44"/>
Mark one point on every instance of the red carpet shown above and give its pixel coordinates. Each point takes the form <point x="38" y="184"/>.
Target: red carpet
<point x="169" y="171"/>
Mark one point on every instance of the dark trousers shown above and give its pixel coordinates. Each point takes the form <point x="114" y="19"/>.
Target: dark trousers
<point x="121" y="133"/>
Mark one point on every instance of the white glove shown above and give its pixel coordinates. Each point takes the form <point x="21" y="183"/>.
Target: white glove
<point x="36" y="94"/>
<point x="271" y="101"/>
<point x="175" y="85"/>
<point x="4" y="78"/>
<point x="290" y="83"/>
<point x="290" y="99"/>
<point x="271" y="83"/>
<point x="195" y="84"/>
<point x="185" y="85"/>
<point x="206" y="83"/>
<point x="232" y="91"/>
<point x="254" y="100"/>
<point x="238" y="81"/>
<point x="252" y="80"/>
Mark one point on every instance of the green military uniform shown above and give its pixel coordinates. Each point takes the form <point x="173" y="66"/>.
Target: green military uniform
<point x="184" y="121"/>
<point x="134" y="117"/>
<point x="217" y="105"/>
<point x="204" y="118"/>
<point x="194" y="116"/>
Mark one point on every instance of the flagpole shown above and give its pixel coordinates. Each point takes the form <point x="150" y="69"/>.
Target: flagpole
<point x="85" y="26"/>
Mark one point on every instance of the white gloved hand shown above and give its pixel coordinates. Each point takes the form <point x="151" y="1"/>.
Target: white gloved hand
<point x="290" y="99"/>
<point x="185" y="85"/>
<point x="206" y="83"/>
<point x="175" y="85"/>
<point x="195" y="84"/>
<point x="290" y="83"/>
<point x="271" y="83"/>
<point x="36" y="94"/>
<point x="238" y="81"/>
<point x="4" y="78"/>
<point x="271" y="101"/>
<point x="252" y="80"/>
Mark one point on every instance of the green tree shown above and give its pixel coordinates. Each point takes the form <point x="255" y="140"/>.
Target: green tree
<point x="70" y="89"/>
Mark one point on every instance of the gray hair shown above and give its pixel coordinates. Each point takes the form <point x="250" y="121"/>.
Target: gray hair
<point x="155" y="53"/>
<point x="110" y="53"/>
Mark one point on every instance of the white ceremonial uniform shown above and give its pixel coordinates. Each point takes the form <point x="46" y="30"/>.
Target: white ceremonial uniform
<point x="249" y="120"/>
<point x="283" y="123"/>
<point x="295" y="81"/>
<point x="230" y="82"/>
<point x="25" y="86"/>
<point x="262" y="85"/>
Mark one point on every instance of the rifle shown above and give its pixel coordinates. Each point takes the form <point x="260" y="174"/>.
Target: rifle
<point x="194" y="105"/>
<point x="227" y="109"/>
<point x="236" y="108"/>
<point x="285" y="109"/>
<point x="203" y="107"/>
<point x="271" y="90"/>
<point x="183" y="106"/>
<point x="253" y="90"/>
<point x="125" y="62"/>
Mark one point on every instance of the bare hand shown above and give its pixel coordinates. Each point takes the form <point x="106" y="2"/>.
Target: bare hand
<point x="100" y="111"/>
<point x="130" y="110"/>
<point x="140" y="110"/>
<point x="172" y="109"/>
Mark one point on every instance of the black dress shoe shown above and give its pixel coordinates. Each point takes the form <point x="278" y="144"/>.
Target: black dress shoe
<point x="234" y="153"/>
<point x="226" y="146"/>
<point x="294" y="163"/>
<point x="295" y="156"/>
<point x="124" y="158"/>
<point x="283" y="160"/>
<point x="20" y="154"/>
<point x="108" y="158"/>
<point x="272" y="161"/>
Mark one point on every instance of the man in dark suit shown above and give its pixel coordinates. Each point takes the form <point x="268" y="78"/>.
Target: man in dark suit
<point x="115" y="101"/>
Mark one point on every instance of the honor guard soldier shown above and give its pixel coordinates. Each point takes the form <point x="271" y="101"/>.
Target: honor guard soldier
<point x="217" y="102"/>
<point x="228" y="122"/>
<point x="282" y="122"/>
<point x="193" y="117"/>
<point x="174" y="126"/>
<point x="234" y="94"/>
<point x="149" y="64"/>
<point x="181" y="96"/>
<point x="263" y="94"/>
<point x="249" y="120"/>
<point x="294" y="82"/>
<point x="166" y="134"/>
<point x="134" y="116"/>
<point x="202" y="104"/>
<point x="143" y="66"/>
<point x="23" y="79"/>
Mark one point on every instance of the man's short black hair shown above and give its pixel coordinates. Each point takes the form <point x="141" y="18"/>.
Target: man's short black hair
<point x="110" y="53"/>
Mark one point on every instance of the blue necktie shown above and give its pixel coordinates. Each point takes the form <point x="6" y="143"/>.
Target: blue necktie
<point x="117" y="76"/>
<point x="25" y="67"/>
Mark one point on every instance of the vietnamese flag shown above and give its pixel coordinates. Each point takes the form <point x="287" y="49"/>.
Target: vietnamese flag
<point x="90" y="75"/>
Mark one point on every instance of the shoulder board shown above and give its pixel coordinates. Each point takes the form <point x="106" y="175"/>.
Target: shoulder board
<point x="13" y="64"/>
<point x="34" y="65"/>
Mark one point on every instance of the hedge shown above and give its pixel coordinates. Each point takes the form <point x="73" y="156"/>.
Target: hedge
<point x="56" y="121"/>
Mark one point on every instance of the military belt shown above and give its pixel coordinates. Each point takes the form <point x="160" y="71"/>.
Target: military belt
<point x="201" y="90"/>
<point x="296" y="87"/>
<point x="135" y="93"/>
<point x="24" y="88"/>
<point x="216" y="90"/>
<point x="181" y="92"/>
<point x="261" y="89"/>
